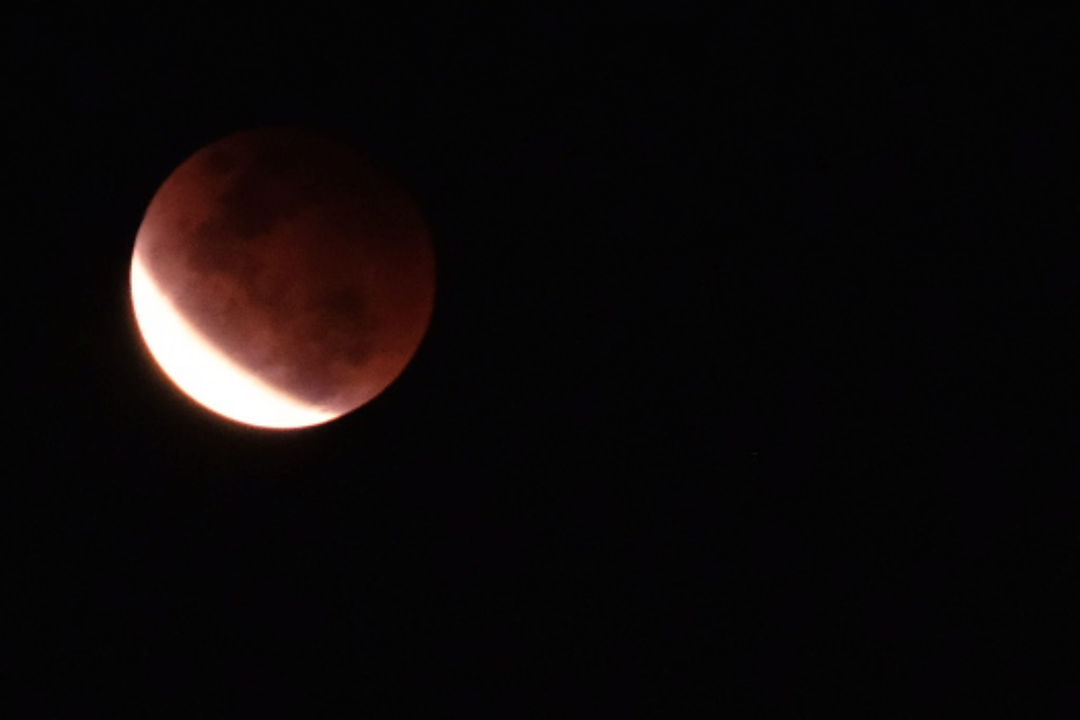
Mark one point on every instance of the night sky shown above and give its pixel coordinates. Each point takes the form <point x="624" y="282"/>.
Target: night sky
<point x="749" y="388"/>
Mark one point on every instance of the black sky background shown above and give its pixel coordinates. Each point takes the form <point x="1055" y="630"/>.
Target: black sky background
<point x="749" y="381"/>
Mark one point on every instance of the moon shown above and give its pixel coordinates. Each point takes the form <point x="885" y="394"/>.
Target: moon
<point x="280" y="279"/>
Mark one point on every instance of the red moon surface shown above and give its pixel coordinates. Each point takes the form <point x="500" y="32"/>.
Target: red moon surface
<point x="279" y="279"/>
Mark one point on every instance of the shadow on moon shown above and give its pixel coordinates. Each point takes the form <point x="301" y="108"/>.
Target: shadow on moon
<point x="297" y="260"/>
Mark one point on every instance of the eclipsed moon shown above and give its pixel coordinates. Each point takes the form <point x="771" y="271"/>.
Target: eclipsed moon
<point x="279" y="279"/>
